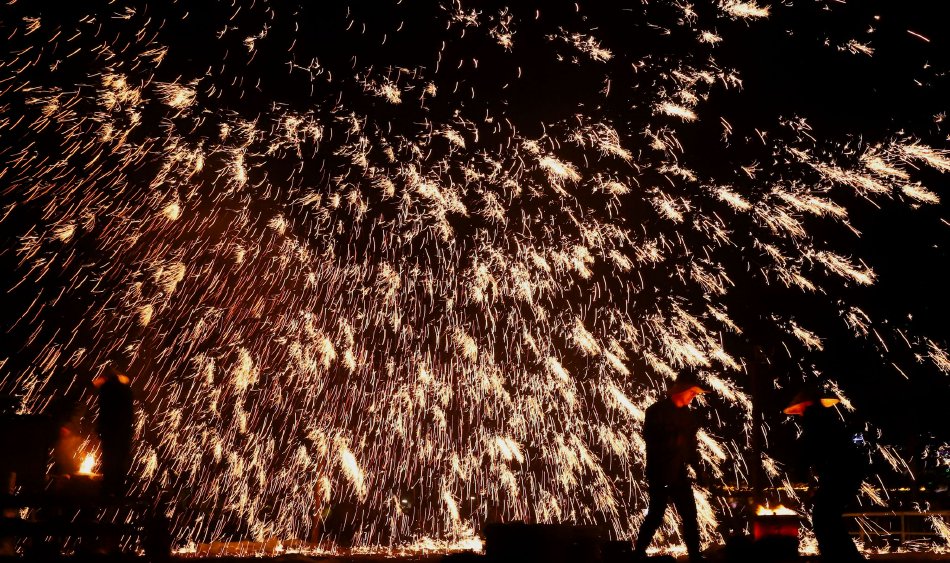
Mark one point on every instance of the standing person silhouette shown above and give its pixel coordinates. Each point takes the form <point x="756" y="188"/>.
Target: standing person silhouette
<point x="669" y="431"/>
<point x="116" y="426"/>
<point x="839" y="468"/>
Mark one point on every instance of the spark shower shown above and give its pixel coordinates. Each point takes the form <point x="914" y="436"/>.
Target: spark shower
<point x="432" y="260"/>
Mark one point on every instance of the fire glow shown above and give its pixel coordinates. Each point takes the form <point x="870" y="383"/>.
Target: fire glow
<point x="88" y="465"/>
<point x="779" y="510"/>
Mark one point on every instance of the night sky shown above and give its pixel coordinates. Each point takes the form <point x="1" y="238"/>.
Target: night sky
<point x="360" y="253"/>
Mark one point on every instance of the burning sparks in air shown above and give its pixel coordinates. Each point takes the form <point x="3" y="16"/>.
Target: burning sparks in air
<point x="748" y="10"/>
<point x="378" y="270"/>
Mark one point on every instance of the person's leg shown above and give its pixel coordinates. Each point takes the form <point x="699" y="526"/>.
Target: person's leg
<point x="834" y="542"/>
<point x="659" y="496"/>
<point x="682" y="495"/>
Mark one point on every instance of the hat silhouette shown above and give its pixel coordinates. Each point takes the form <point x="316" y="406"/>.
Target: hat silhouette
<point x="685" y="381"/>
<point x="812" y="396"/>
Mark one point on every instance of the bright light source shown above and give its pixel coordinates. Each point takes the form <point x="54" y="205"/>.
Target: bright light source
<point x="87" y="465"/>
<point x="779" y="510"/>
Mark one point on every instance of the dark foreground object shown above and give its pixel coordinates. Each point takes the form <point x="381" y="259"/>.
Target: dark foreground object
<point x="453" y="558"/>
<point x="716" y="555"/>
<point x="42" y="516"/>
<point x="516" y="542"/>
<point x="522" y="543"/>
<point x="79" y="520"/>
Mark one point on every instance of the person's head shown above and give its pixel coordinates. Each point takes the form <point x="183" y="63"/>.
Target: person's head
<point x="112" y="374"/>
<point x="807" y="398"/>
<point x="683" y="398"/>
<point x="684" y="389"/>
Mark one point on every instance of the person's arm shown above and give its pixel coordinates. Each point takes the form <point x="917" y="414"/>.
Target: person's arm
<point x="649" y="426"/>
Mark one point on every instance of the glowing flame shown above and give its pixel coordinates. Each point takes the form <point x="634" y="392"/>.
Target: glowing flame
<point x="87" y="465"/>
<point x="779" y="510"/>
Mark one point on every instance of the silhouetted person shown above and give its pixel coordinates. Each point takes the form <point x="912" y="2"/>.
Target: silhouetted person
<point x="115" y="426"/>
<point x="839" y="468"/>
<point x="669" y="431"/>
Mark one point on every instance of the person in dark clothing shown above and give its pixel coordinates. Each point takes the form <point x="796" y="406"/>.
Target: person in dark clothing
<point x="839" y="468"/>
<point x="115" y="426"/>
<point x="669" y="431"/>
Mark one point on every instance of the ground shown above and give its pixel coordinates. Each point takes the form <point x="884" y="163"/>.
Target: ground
<point x="896" y="557"/>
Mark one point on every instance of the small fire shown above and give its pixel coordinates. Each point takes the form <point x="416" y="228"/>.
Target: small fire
<point x="779" y="510"/>
<point x="87" y="465"/>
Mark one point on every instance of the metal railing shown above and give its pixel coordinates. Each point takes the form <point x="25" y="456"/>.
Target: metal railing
<point x="875" y="524"/>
